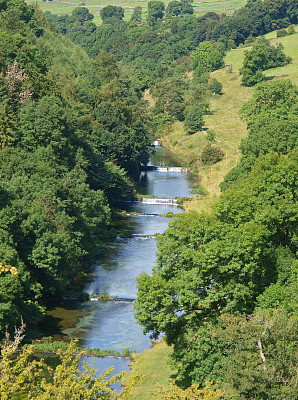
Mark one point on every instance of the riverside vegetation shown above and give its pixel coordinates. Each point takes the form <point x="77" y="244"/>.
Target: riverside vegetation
<point x="74" y="131"/>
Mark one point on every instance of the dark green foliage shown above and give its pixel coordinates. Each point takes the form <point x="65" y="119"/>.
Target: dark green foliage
<point x="170" y="98"/>
<point x="57" y="179"/>
<point x="176" y="8"/>
<point x="156" y="10"/>
<point x="211" y="154"/>
<point x="194" y="119"/>
<point x="111" y="14"/>
<point x="81" y="14"/>
<point x="210" y="135"/>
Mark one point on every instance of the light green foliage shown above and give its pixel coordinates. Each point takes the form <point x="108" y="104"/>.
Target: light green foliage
<point x="191" y="393"/>
<point x="291" y="29"/>
<point x="261" y="57"/>
<point x="281" y="32"/>
<point x="206" y="58"/>
<point x="20" y="377"/>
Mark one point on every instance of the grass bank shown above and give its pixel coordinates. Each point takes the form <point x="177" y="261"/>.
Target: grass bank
<point x="153" y="364"/>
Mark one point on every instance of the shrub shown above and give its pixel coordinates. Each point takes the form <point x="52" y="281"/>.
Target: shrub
<point x="215" y="86"/>
<point x="211" y="154"/>
<point x="210" y="135"/>
<point x="281" y="32"/>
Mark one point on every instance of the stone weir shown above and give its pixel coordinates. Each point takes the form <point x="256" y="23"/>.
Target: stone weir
<point x="152" y="200"/>
<point x="164" y="169"/>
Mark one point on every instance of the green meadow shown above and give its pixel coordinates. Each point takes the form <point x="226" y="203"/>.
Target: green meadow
<point x="200" y="7"/>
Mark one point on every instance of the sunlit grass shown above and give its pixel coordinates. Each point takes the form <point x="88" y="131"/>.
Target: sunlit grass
<point x="200" y="7"/>
<point x="154" y="365"/>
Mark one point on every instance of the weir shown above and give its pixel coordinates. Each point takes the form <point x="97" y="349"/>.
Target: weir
<point x="152" y="200"/>
<point x="145" y="168"/>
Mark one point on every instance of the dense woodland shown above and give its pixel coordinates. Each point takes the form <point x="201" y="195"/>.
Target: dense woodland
<point x="74" y="131"/>
<point x="72" y="140"/>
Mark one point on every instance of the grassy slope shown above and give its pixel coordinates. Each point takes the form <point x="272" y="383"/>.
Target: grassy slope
<point x="225" y="120"/>
<point x="154" y="365"/>
<point x="200" y="6"/>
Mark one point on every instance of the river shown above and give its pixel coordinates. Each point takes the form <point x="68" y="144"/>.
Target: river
<point x="111" y="324"/>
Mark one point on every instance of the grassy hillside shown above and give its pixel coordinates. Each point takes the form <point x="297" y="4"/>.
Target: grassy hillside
<point x="225" y="120"/>
<point x="200" y="7"/>
<point x="153" y="364"/>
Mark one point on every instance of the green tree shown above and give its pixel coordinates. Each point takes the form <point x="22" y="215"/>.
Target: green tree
<point x="82" y="14"/>
<point x="20" y="376"/>
<point x="261" y="57"/>
<point x="194" y="119"/>
<point x="271" y="120"/>
<point x="206" y="58"/>
<point x="211" y="154"/>
<point x="106" y="67"/>
<point x="174" y="8"/>
<point x="156" y="10"/>
<point x="111" y="14"/>
<point x="208" y="265"/>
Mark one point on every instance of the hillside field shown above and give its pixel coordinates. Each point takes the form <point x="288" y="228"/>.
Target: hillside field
<point x="225" y="120"/>
<point x="200" y="7"/>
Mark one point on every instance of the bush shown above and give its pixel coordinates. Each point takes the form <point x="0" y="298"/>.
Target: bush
<point x="211" y="154"/>
<point x="210" y="135"/>
<point x="215" y="86"/>
<point x="281" y="32"/>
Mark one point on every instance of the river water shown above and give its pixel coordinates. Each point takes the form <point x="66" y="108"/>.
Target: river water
<point x="111" y="325"/>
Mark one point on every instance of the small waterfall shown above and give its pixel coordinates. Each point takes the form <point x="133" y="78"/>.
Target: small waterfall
<point x="164" y="168"/>
<point x="171" y="169"/>
<point x="152" y="200"/>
